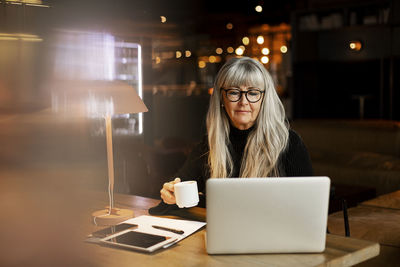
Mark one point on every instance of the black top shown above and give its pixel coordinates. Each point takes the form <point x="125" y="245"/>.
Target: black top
<point x="293" y="161"/>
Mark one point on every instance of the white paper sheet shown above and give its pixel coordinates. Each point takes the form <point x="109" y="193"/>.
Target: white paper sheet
<point x="145" y="223"/>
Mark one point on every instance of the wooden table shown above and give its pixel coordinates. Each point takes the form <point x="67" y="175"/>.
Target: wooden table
<point x="389" y="201"/>
<point x="376" y="220"/>
<point x="340" y="251"/>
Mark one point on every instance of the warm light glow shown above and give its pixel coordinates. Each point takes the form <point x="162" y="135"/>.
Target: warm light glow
<point x="219" y="50"/>
<point x="36" y="3"/>
<point x="246" y="40"/>
<point x="258" y="8"/>
<point x="355" y="45"/>
<point x="178" y="54"/>
<point x="188" y="53"/>
<point x="5" y="38"/>
<point x="242" y="47"/>
<point x="265" y="59"/>
<point x="210" y="91"/>
<point x="20" y="37"/>
<point x="229" y="26"/>
<point x="158" y="60"/>
<point x="260" y="39"/>
<point x="255" y="58"/>
<point x="202" y="64"/>
<point x="284" y="49"/>
<point x="28" y="39"/>
<point x="230" y="50"/>
<point x="239" y="51"/>
<point x="265" y="51"/>
<point x="212" y="59"/>
<point x="163" y="19"/>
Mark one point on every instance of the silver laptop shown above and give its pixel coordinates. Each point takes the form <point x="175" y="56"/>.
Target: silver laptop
<point x="267" y="215"/>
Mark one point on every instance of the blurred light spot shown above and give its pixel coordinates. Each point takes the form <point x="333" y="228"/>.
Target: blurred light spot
<point x="355" y="45"/>
<point x="246" y="40"/>
<point x="260" y="39"/>
<point x="230" y="50"/>
<point x="158" y="60"/>
<point x="210" y="91"/>
<point x="217" y="59"/>
<point x="35" y="3"/>
<point x="229" y="26"/>
<point x="239" y="51"/>
<point x="212" y="59"/>
<point x="202" y="64"/>
<point x="163" y="19"/>
<point x="86" y="55"/>
<point x="6" y="38"/>
<point x="188" y="53"/>
<point x="31" y="39"/>
<point x="20" y="37"/>
<point x="14" y="3"/>
<point x="283" y="48"/>
<point x="219" y="50"/>
<point x="242" y="47"/>
<point x="178" y="54"/>
<point x="258" y="8"/>
<point x="124" y="60"/>
<point x="265" y="51"/>
<point x="265" y="59"/>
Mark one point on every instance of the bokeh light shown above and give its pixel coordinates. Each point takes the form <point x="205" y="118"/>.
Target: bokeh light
<point x="265" y="51"/>
<point x="264" y="59"/>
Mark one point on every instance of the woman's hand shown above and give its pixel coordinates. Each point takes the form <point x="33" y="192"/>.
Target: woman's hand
<point x="167" y="192"/>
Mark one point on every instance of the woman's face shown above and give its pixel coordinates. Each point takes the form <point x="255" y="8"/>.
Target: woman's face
<point x="243" y="114"/>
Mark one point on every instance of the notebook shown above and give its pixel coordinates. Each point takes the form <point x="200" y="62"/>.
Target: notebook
<point x="267" y="215"/>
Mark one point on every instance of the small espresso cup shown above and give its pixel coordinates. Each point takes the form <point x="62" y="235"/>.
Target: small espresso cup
<point x="186" y="194"/>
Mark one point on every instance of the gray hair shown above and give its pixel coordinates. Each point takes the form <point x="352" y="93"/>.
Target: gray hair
<point x="270" y="135"/>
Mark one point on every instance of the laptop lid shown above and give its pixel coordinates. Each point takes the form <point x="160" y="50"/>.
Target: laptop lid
<point x="267" y="215"/>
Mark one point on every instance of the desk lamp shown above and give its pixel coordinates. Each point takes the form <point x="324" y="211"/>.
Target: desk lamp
<point x="111" y="98"/>
<point x="91" y="98"/>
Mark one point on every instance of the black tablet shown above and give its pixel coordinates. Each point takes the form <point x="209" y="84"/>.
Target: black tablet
<point x="135" y="240"/>
<point x="113" y="229"/>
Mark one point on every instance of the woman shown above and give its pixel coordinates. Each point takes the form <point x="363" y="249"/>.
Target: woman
<point x="247" y="132"/>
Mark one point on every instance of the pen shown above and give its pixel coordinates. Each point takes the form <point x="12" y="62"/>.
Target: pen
<point x="176" y="231"/>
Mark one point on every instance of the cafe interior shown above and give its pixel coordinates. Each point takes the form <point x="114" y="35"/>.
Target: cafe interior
<point x="335" y="65"/>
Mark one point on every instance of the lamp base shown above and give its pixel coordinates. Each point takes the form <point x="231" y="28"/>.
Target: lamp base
<point x="101" y="217"/>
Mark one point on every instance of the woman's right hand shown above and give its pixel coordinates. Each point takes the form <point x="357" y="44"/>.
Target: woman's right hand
<point x="167" y="192"/>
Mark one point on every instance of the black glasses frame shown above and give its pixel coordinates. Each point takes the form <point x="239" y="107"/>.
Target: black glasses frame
<point x="241" y="93"/>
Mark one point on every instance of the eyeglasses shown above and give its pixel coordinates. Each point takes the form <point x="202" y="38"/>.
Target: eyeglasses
<point x="235" y="94"/>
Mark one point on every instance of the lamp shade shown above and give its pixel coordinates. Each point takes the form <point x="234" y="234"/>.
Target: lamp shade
<point x="91" y="98"/>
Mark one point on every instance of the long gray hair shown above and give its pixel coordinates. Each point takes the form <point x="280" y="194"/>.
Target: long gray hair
<point x="270" y="134"/>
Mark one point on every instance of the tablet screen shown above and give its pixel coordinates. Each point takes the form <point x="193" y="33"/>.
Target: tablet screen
<point x="138" y="239"/>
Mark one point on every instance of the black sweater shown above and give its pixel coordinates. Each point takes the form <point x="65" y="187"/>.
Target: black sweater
<point x="293" y="161"/>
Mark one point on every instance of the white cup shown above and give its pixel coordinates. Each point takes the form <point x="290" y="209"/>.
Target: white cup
<point x="186" y="194"/>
